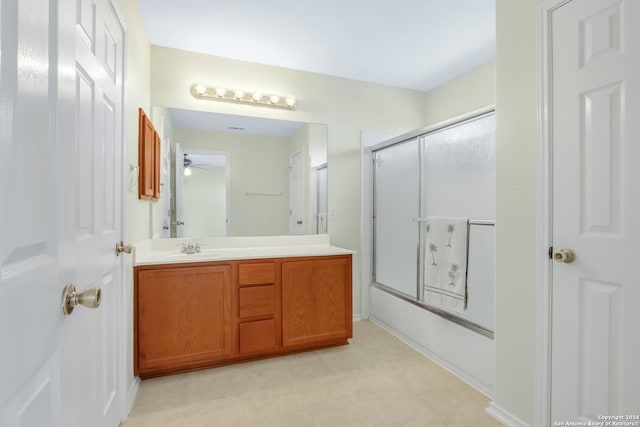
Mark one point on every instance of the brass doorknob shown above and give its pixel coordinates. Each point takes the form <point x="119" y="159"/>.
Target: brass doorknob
<point x="563" y="255"/>
<point x="70" y="298"/>
<point x="121" y="247"/>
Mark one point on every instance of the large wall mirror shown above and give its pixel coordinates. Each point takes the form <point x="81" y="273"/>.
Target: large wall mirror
<point x="227" y="175"/>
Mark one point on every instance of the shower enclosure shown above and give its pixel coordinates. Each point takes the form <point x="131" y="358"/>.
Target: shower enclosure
<point x="446" y="171"/>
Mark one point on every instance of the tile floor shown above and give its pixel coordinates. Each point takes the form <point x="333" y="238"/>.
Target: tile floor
<point x="376" y="380"/>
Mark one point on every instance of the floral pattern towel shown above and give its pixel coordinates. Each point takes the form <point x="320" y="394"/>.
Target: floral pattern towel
<point x="445" y="272"/>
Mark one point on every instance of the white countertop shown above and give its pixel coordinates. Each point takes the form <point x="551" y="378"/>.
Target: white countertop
<point x="167" y="251"/>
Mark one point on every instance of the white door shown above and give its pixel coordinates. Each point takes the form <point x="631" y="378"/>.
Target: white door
<point x="296" y="193"/>
<point x="179" y="199"/>
<point x="596" y="209"/>
<point x="61" y="180"/>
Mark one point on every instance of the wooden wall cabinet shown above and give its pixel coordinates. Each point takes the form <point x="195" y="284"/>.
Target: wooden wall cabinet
<point x="197" y="315"/>
<point x="149" y="150"/>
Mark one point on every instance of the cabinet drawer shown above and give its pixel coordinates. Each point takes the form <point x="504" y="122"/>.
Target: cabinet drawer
<point x="254" y="274"/>
<point x="257" y="301"/>
<point x="258" y="336"/>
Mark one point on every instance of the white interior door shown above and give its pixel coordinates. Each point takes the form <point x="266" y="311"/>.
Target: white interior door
<point x="296" y="193"/>
<point x="90" y="223"/>
<point x="596" y="209"/>
<point x="31" y="324"/>
<point x="61" y="170"/>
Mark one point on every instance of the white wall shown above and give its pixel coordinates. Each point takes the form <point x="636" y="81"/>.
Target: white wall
<point x="317" y="143"/>
<point x="137" y="94"/>
<point x="346" y="106"/>
<point x="257" y="164"/>
<point x="516" y="207"/>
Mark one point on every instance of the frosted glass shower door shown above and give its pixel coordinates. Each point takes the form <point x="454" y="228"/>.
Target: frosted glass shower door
<point x="459" y="180"/>
<point x="396" y="176"/>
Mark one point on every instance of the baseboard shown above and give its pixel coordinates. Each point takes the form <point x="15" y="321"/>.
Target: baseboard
<point x="504" y="417"/>
<point x="425" y="352"/>
<point x="356" y="318"/>
<point x="133" y="392"/>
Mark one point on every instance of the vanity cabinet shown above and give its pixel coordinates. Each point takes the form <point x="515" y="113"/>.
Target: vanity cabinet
<point x="316" y="301"/>
<point x="183" y="317"/>
<point x="258" y="308"/>
<point x="203" y="314"/>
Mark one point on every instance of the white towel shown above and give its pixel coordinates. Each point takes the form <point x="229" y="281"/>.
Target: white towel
<point x="445" y="272"/>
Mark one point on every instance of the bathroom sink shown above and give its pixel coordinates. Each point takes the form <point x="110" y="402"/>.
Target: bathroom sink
<point x="174" y="256"/>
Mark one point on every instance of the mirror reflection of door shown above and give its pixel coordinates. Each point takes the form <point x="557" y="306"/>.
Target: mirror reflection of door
<point x="165" y="179"/>
<point x="179" y="193"/>
<point x="322" y="203"/>
<point x="296" y="193"/>
<point x="205" y="190"/>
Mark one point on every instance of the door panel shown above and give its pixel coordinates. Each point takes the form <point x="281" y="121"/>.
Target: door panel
<point x="37" y="402"/>
<point x="396" y="205"/>
<point x="316" y="301"/>
<point x="60" y="173"/>
<point x="595" y="132"/>
<point x="90" y="136"/>
<point x="183" y="317"/>
<point x="30" y="323"/>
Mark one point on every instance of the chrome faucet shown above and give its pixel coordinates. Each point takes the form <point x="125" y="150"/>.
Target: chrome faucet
<point x="190" y="248"/>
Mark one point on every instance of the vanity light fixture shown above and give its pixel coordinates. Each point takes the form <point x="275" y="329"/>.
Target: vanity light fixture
<point x="219" y="93"/>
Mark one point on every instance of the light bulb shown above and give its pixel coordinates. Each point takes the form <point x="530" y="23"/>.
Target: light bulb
<point x="291" y="101"/>
<point x="187" y="171"/>
<point x="274" y="99"/>
<point x="257" y="96"/>
<point x="239" y="94"/>
<point x="220" y="91"/>
<point x="200" y="89"/>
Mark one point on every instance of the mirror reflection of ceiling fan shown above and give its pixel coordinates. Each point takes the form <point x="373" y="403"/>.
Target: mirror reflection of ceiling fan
<point x="189" y="164"/>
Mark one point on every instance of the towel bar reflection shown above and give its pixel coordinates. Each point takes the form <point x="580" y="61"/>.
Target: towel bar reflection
<point x="471" y="221"/>
<point x="248" y="193"/>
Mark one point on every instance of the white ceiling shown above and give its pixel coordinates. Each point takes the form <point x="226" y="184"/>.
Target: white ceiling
<point x="218" y="122"/>
<point x="416" y="44"/>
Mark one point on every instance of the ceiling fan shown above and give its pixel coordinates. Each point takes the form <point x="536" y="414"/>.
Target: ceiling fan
<point x="188" y="164"/>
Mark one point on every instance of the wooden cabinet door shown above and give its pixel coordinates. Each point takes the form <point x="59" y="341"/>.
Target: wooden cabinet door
<point x="183" y="317"/>
<point x="316" y="301"/>
<point x="149" y="152"/>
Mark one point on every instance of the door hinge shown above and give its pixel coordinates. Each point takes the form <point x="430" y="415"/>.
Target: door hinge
<point x="550" y="252"/>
